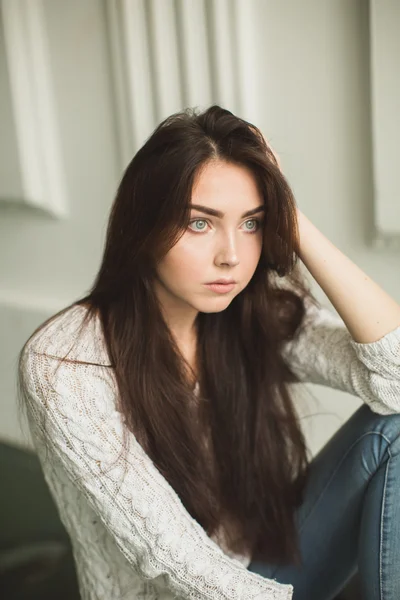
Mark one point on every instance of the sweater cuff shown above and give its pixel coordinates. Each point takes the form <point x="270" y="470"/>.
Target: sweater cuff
<point x="386" y="348"/>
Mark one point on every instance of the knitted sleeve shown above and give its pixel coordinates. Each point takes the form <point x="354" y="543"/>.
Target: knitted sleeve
<point x="72" y="411"/>
<point x="325" y="353"/>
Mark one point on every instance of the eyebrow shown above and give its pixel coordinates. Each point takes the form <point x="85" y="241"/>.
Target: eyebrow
<point x="220" y="215"/>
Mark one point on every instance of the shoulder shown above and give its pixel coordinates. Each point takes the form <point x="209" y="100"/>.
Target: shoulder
<point x="70" y="334"/>
<point x="65" y="362"/>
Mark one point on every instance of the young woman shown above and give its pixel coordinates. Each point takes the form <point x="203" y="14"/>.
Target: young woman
<point x="160" y="403"/>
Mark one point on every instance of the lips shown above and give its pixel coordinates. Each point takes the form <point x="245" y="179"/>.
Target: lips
<point x="220" y="288"/>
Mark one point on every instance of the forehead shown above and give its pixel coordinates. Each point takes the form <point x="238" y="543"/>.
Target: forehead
<point x="219" y="181"/>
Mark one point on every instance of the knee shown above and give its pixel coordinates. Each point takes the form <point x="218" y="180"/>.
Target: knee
<point x="388" y="426"/>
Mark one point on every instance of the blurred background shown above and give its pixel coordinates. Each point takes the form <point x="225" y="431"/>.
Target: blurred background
<point x="83" y="83"/>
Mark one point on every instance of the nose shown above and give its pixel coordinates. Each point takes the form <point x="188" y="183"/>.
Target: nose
<point x="227" y="251"/>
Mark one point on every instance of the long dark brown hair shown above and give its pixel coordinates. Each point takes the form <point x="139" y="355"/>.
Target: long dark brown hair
<point x="253" y="474"/>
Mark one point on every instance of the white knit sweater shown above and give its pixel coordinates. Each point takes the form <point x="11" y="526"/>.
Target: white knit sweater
<point x="132" y="537"/>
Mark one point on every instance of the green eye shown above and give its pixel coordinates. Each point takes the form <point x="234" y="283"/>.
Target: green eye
<point x="199" y="221"/>
<point x="202" y="229"/>
<point x="254" y="221"/>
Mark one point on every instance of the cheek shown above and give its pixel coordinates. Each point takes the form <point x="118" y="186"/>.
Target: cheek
<point x="184" y="264"/>
<point x="250" y="252"/>
<point x="257" y="254"/>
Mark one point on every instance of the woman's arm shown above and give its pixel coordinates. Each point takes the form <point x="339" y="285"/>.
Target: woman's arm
<point x="367" y="310"/>
<point x="323" y="352"/>
<point x="357" y="350"/>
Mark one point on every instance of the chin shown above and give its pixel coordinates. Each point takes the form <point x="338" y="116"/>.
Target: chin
<point x="215" y="305"/>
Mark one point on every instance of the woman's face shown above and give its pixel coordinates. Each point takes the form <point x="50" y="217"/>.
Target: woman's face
<point x="228" y="245"/>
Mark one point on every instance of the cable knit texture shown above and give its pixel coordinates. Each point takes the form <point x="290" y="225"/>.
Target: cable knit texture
<point x="132" y="537"/>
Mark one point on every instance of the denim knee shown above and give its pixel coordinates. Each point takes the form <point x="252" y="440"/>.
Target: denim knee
<point x="387" y="426"/>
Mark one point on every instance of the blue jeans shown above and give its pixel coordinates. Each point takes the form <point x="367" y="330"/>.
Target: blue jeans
<point x="350" y="517"/>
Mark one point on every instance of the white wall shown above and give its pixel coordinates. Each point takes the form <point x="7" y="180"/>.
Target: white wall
<point x="306" y="85"/>
<point x="45" y="261"/>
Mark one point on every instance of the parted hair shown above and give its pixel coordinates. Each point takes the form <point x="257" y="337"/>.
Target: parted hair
<point x="252" y="471"/>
